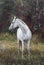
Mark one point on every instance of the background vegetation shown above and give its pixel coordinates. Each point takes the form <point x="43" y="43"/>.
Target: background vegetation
<point x="24" y="9"/>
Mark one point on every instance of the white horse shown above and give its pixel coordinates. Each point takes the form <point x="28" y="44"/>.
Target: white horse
<point x="23" y="33"/>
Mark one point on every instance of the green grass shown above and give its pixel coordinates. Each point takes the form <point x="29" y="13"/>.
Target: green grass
<point x="9" y="51"/>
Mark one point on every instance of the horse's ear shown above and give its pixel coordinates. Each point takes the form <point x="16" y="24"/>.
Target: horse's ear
<point x="15" y="17"/>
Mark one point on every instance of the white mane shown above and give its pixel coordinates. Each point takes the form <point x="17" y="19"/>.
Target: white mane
<point x="22" y="25"/>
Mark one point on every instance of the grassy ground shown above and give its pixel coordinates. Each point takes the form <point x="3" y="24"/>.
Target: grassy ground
<point x="9" y="51"/>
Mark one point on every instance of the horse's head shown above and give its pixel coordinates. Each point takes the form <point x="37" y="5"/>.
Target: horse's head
<point x="13" y="24"/>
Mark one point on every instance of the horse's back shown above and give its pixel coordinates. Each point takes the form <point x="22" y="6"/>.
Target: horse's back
<point x="21" y="36"/>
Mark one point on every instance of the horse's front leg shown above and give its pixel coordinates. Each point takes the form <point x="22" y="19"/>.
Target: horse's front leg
<point x="22" y="49"/>
<point x="28" y="47"/>
<point x="18" y="47"/>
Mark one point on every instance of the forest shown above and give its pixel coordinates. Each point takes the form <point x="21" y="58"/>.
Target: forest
<point x="31" y="12"/>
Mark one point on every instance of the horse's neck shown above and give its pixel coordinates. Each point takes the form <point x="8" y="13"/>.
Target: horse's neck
<point x="23" y="26"/>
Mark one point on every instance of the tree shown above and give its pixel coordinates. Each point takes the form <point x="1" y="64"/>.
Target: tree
<point x="6" y="14"/>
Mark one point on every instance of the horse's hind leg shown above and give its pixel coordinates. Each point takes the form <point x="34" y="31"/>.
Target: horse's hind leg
<point x="28" y="46"/>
